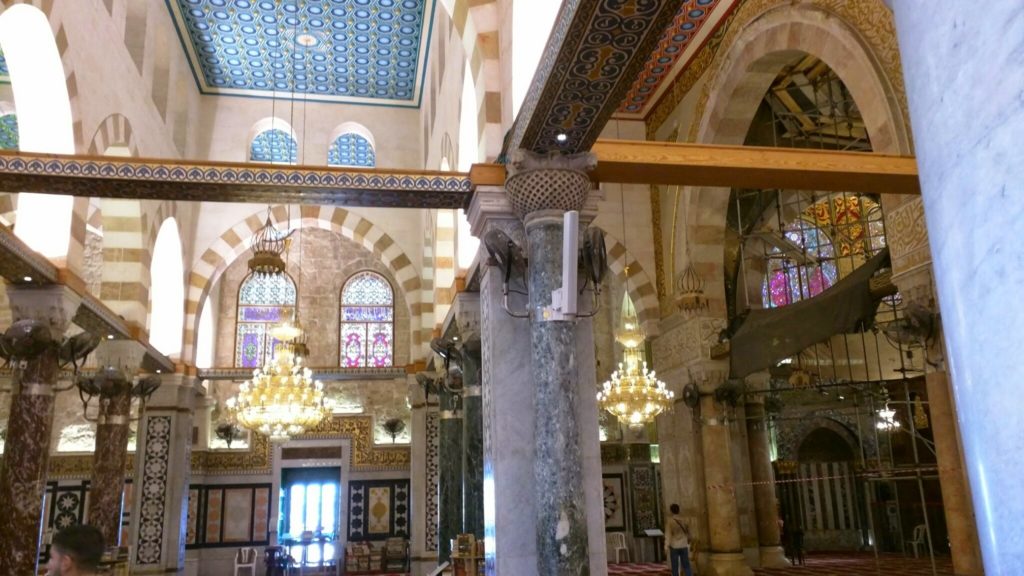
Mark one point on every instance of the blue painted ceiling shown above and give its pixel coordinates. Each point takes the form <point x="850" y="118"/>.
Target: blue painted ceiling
<point x="347" y="51"/>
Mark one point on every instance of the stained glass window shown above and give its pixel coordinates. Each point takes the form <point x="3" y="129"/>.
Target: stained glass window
<point x="263" y="301"/>
<point x="790" y="279"/>
<point x="367" y="322"/>
<point x="274" y="145"/>
<point x="351" y="150"/>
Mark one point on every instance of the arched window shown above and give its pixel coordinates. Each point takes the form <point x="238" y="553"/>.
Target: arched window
<point x="367" y="322"/>
<point x="263" y="301"/>
<point x="167" y="292"/>
<point x="274" y="146"/>
<point x="351" y="149"/>
<point x="802" y="272"/>
<point x="9" y="132"/>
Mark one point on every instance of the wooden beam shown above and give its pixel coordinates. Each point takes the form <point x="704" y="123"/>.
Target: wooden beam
<point x="639" y="162"/>
<point x="187" y="180"/>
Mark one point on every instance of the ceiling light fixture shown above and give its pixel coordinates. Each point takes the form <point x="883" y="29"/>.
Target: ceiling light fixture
<point x="634" y="394"/>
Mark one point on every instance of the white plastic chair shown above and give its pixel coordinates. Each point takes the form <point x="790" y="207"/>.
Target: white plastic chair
<point x="245" y="559"/>
<point x="917" y="539"/>
<point x="616" y="543"/>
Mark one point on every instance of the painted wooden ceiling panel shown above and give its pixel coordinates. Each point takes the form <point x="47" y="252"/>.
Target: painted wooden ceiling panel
<point x="345" y="51"/>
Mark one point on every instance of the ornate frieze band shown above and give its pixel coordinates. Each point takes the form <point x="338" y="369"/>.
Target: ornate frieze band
<point x="366" y="457"/>
<point x="225" y="182"/>
<point x="595" y="51"/>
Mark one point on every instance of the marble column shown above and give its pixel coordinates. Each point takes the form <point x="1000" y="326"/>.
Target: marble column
<point x="162" y="472"/>
<point x="558" y="468"/>
<point x="725" y="547"/>
<point x="473" y="434"/>
<point x="968" y="115"/>
<point x="510" y="421"/>
<point x="27" y="450"/>
<point x="112" y="430"/>
<point x="451" y="456"/>
<point x="763" y="479"/>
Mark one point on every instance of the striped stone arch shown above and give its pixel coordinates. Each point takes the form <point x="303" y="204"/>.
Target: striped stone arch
<point x="114" y="130"/>
<point x="476" y="21"/>
<point x="641" y="287"/>
<point x="235" y="241"/>
<point x="741" y="74"/>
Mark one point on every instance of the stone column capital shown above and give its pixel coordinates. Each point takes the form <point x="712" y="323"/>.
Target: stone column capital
<point x="124" y="354"/>
<point x="490" y="208"/>
<point x="54" y="305"/>
<point x="522" y="160"/>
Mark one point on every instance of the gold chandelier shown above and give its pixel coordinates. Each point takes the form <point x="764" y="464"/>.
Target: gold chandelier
<point x="634" y="394"/>
<point x="281" y="400"/>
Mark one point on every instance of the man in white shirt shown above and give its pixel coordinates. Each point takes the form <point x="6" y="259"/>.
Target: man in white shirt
<point x="677" y="542"/>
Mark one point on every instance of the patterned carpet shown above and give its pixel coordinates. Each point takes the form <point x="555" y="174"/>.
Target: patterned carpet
<point x="831" y="564"/>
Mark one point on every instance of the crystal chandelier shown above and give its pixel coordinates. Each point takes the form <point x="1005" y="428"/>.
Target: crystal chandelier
<point x="634" y="394"/>
<point x="281" y="400"/>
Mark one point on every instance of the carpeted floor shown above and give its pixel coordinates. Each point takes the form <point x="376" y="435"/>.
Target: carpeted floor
<point x="832" y="564"/>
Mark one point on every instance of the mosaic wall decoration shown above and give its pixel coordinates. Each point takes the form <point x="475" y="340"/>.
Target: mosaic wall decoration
<point x="66" y="503"/>
<point x="367" y="322"/>
<point x="370" y="51"/>
<point x="9" y="132"/>
<point x="691" y="17"/>
<point x="433" y="473"/>
<point x="223" y="515"/>
<point x="614" y="499"/>
<point x="378" y="509"/>
<point x="154" y="489"/>
<point x="191" y="521"/>
<point x="644" y="498"/>
<point x="351" y="150"/>
<point x="263" y="301"/>
<point x="5" y="72"/>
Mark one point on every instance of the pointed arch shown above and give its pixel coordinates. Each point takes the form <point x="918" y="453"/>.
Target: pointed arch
<point x="640" y="288"/>
<point x="234" y="242"/>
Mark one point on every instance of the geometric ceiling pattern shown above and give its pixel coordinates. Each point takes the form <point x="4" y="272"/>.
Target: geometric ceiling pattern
<point x="274" y="146"/>
<point x="673" y="42"/>
<point x="346" y="51"/>
<point x="8" y="132"/>
<point x="351" y="150"/>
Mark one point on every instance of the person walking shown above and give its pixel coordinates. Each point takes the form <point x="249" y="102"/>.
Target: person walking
<point x="677" y="542"/>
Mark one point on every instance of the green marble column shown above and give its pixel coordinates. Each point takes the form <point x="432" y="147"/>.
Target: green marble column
<point x="473" y="430"/>
<point x="451" y="455"/>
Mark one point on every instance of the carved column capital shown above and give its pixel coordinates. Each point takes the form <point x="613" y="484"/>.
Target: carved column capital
<point x="54" y="306"/>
